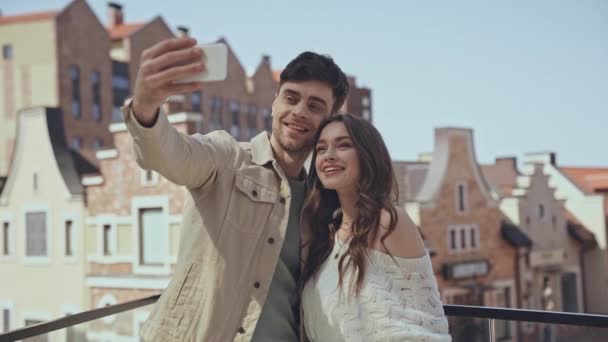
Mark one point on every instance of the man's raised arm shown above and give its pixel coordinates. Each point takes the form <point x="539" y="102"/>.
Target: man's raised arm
<point x="192" y="161"/>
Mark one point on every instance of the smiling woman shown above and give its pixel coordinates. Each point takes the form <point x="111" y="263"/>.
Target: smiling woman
<point x="364" y="246"/>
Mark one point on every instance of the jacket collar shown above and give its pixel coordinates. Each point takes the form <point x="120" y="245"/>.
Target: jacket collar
<point x="261" y="150"/>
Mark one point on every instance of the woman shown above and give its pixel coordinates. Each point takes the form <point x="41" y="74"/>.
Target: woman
<point x="368" y="276"/>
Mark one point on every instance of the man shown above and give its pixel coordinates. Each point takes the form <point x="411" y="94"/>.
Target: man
<point x="237" y="275"/>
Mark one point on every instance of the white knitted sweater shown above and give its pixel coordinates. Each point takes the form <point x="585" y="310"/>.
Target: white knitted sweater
<point x="398" y="302"/>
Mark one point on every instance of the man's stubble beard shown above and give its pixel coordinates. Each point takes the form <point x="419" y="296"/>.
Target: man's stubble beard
<point x="304" y="148"/>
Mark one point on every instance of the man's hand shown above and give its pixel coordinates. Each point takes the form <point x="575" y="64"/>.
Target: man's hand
<point x="160" y="66"/>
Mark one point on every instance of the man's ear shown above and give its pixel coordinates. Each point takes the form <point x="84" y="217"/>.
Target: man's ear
<point x="274" y="102"/>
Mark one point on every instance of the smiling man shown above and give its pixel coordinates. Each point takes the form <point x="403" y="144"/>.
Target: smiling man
<point x="238" y="269"/>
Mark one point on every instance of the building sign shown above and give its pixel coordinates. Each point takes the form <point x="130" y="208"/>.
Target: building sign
<point x="546" y="258"/>
<point x="466" y="269"/>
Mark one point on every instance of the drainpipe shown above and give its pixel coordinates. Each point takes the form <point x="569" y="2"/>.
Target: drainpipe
<point x="584" y="249"/>
<point x="521" y="252"/>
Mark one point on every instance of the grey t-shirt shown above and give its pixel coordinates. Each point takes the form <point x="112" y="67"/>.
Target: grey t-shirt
<point x="278" y="320"/>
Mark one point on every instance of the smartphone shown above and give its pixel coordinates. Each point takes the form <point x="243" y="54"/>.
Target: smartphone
<point x="215" y="59"/>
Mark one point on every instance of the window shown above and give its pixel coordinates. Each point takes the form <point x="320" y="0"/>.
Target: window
<point x="215" y="122"/>
<point x="106" y="232"/>
<point x="69" y="232"/>
<point x="97" y="143"/>
<point x="252" y="120"/>
<point x="7" y="52"/>
<point x="463" y="238"/>
<point x="235" y="108"/>
<point x="503" y="327"/>
<point x="96" y="87"/>
<point x="38" y="338"/>
<point x="148" y="177"/>
<point x="35" y="230"/>
<point x="461" y="198"/>
<point x="267" y="117"/>
<point x="120" y="88"/>
<point x="5" y="238"/>
<point x="453" y="239"/>
<point x="473" y="235"/>
<point x="367" y="114"/>
<point x="6" y="319"/>
<point x="153" y="246"/>
<point x="75" y="78"/>
<point x="570" y="292"/>
<point x="76" y="143"/>
<point x="35" y="181"/>
<point x="196" y="101"/>
<point x="541" y="211"/>
<point x="365" y="101"/>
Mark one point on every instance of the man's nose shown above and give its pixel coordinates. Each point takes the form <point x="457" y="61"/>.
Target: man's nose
<point x="299" y="109"/>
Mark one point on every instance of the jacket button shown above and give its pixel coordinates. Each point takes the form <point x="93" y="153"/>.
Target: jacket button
<point x="256" y="284"/>
<point x="254" y="193"/>
<point x="271" y="240"/>
<point x="241" y="330"/>
<point x="282" y="200"/>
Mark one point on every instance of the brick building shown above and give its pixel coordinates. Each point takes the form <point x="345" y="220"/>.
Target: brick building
<point x="132" y="231"/>
<point x="42" y="214"/>
<point x="56" y="66"/>
<point x="476" y="249"/>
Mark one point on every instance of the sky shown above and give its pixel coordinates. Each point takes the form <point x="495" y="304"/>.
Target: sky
<point x="526" y="76"/>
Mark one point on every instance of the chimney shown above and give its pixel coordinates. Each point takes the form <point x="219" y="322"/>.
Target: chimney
<point x="507" y="162"/>
<point x="183" y="31"/>
<point x="115" y="15"/>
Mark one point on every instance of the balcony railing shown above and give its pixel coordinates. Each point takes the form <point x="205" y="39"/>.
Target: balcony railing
<point x="498" y="326"/>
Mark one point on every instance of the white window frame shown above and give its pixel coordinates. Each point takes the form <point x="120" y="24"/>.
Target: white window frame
<point x="448" y="294"/>
<point x="41" y="316"/>
<point x="144" y="179"/>
<point x="465" y="198"/>
<point x="113" y="221"/>
<point x="31" y="208"/>
<point x="138" y="203"/>
<point x="75" y="239"/>
<point x="113" y="243"/>
<point x="510" y="284"/>
<point x="7" y="218"/>
<point x="579" y="284"/>
<point x="10" y="306"/>
<point x="459" y="228"/>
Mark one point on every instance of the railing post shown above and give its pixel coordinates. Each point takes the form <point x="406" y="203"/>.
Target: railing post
<point x="491" y="330"/>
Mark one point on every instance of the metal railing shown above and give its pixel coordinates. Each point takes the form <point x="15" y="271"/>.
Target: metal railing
<point x="490" y="313"/>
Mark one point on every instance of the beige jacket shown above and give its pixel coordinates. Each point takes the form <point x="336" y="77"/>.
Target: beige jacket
<point x="234" y="224"/>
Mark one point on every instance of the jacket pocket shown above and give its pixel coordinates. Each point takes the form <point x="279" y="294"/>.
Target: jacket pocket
<point x="252" y="199"/>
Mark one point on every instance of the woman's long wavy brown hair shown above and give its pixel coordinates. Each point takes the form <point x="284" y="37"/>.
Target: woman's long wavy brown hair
<point x="377" y="191"/>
